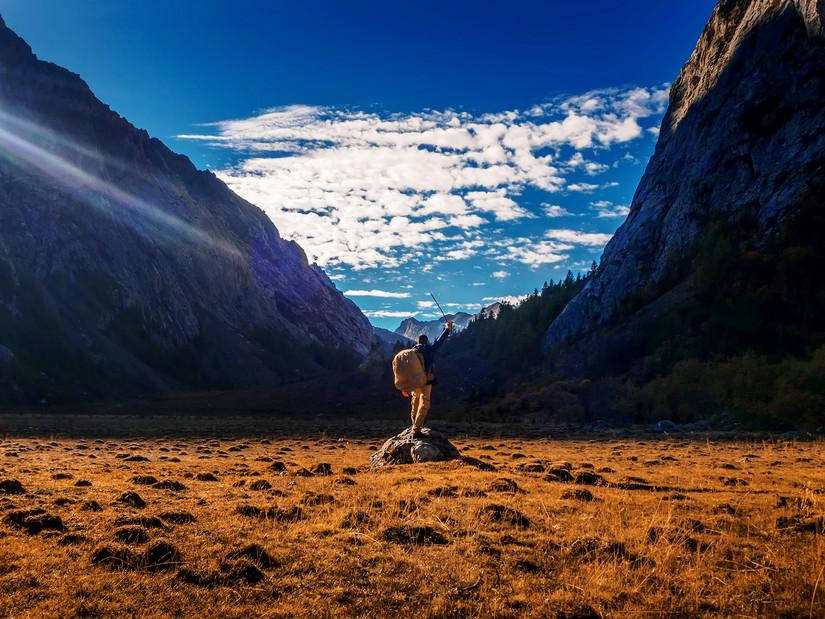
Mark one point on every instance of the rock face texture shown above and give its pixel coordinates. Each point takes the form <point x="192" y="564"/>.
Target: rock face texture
<point x="743" y="136"/>
<point x="407" y="448"/>
<point x="123" y="267"/>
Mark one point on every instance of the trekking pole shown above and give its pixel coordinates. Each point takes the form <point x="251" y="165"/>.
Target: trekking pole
<point x="439" y="307"/>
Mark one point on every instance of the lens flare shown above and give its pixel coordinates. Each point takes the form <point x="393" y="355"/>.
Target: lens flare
<point x="17" y="145"/>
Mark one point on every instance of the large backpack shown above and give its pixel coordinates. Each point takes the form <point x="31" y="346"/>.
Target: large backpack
<point x="408" y="369"/>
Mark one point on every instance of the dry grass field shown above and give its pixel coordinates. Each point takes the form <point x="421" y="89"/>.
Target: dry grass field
<point x="277" y="526"/>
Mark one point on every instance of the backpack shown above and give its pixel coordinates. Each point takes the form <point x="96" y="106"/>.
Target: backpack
<point x="408" y="369"/>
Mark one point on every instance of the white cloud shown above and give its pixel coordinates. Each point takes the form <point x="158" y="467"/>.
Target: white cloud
<point x="582" y="187"/>
<point x="605" y="208"/>
<point x="388" y="314"/>
<point x="500" y="274"/>
<point x="510" y="299"/>
<point x="361" y="189"/>
<point x="377" y="293"/>
<point x="554" y="210"/>
<point x="533" y="252"/>
<point x="575" y="237"/>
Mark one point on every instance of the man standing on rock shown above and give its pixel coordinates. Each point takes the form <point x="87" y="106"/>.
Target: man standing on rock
<point x="421" y="396"/>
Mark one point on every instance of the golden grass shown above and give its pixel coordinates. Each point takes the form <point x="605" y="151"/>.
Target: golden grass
<point x="698" y="548"/>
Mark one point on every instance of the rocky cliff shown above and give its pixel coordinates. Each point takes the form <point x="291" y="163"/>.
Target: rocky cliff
<point x="743" y="139"/>
<point x="123" y="267"/>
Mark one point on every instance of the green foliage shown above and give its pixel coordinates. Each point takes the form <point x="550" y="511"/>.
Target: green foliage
<point x="512" y="341"/>
<point x="787" y="393"/>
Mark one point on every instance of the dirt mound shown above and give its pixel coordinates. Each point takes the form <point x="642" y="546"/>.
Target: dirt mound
<point x="169" y="484"/>
<point x="148" y="522"/>
<point x="240" y="572"/>
<point x="413" y="535"/>
<point x="72" y="539"/>
<point x="162" y="556"/>
<point x="114" y="557"/>
<point x="579" y="494"/>
<point x="312" y="499"/>
<point x="177" y="517"/>
<point x="33" y="521"/>
<point x="559" y="474"/>
<point x="91" y="506"/>
<point x="503" y="484"/>
<point x="132" y="534"/>
<point x="588" y="478"/>
<point x="255" y="553"/>
<point x="11" y="486"/>
<point x="260" y="484"/>
<point x="504" y="515"/>
<point x="132" y="499"/>
<point x="322" y="468"/>
<point x="281" y="514"/>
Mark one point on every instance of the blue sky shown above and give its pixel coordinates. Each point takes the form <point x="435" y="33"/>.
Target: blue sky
<point x="474" y="149"/>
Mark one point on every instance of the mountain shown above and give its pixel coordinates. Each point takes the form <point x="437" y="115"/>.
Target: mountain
<point x="123" y="268"/>
<point x="490" y="311"/>
<point x="741" y="150"/>
<point x="411" y="327"/>
<point x="709" y="302"/>
<point x="391" y="338"/>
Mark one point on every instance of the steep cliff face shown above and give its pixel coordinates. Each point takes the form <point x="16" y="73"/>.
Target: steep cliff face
<point x="743" y="138"/>
<point x="122" y="266"/>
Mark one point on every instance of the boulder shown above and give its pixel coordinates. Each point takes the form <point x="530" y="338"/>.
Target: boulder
<point x="665" y="425"/>
<point x="408" y="448"/>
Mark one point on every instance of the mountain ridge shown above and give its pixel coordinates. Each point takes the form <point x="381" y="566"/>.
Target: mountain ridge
<point x="742" y="135"/>
<point x="124" y="267"/>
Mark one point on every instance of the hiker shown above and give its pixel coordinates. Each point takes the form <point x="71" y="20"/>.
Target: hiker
<point x="420" y="396"/>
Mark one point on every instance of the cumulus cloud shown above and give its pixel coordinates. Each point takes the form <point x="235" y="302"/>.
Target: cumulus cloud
<point x="509" y="299"/>
<point x="575" y="237"/>
<point x="605" y="209"/>
<point x="361" y="189"/>
<point x="384" y="294"/>
<point x="500" y="274"/>
<point x="554" y="210"/>
<point x="389" y="314"/>
<point x="536" y="253"/>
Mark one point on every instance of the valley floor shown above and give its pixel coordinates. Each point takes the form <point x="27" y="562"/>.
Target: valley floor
<point x="156" y="524"/>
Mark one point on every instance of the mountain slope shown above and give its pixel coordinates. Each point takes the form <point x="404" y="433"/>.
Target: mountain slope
<point x="124" y="268"/>
<point x="411" y="327"/>
<point x="740" y="148"/>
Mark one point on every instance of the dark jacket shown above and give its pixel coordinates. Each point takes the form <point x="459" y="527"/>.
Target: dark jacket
<point x="428" y="352"/>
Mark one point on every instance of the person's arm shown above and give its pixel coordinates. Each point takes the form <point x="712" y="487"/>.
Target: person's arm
<point x="443" y="337"/>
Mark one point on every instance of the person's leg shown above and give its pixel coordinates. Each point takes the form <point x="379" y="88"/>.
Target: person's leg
<point x="424" y="398"/>
<point x="414" y="397"/>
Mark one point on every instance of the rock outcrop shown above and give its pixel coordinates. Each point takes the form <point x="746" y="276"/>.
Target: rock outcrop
<point x="743" y="137"/>
<point x="123" y="267"/>
<point x="409" y="448"/>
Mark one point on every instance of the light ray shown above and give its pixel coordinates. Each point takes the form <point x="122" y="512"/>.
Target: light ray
<point x="84" y="185"/>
